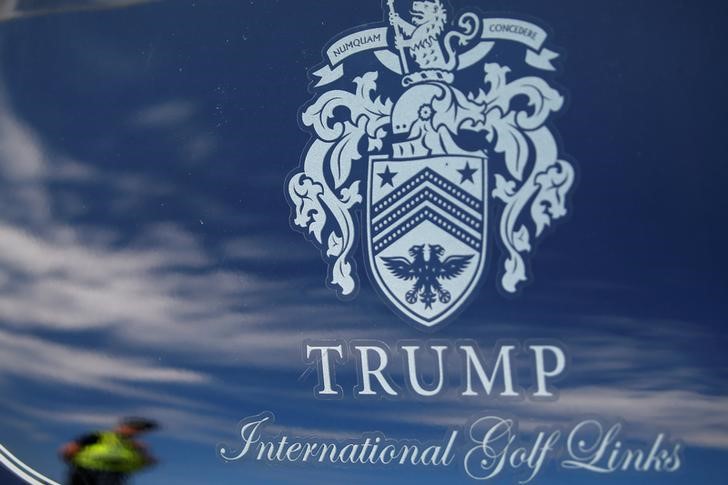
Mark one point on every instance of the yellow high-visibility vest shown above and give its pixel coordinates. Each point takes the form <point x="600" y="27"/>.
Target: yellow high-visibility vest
<point x="112" y="453"/>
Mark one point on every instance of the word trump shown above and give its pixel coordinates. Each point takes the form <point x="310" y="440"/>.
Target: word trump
<point x="425" y="368"/>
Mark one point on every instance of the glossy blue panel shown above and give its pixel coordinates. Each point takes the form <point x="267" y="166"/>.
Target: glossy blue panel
<point x="148" y="266"/>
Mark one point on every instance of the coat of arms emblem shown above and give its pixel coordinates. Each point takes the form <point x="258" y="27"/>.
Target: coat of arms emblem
<point x="422" y="141"/>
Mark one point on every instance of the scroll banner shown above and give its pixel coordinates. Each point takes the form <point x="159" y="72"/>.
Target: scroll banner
<point x="347" y="46"/>
<point x="375" y="39"/>
<point x="526" y="33"/>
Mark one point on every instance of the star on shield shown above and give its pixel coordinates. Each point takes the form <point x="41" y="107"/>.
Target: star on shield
<point x="467" y="173"/>
<point x="387" y="177"/>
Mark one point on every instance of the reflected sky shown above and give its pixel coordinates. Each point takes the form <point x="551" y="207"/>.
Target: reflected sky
<point x="147" y="265"/>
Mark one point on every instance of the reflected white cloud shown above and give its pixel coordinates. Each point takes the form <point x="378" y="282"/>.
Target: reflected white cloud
<point x="176" y="120"/>
<point x="35" y="358"/>
<point x="177" y="423"/>
<point x="164" y="115"/>
<point x="10" y="9"/>
<point x="23" y="169"/>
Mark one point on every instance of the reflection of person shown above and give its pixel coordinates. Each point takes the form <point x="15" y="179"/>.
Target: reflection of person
<point x="108" y="457"/>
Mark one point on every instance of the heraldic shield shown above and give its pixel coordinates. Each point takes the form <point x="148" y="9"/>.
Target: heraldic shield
<point x="426" y="232"/>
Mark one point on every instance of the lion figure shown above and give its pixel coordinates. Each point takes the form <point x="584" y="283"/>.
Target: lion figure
<point x="422" y="36"/>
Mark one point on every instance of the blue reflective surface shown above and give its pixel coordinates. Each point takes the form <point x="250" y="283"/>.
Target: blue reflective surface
<point x="147" y="264"/>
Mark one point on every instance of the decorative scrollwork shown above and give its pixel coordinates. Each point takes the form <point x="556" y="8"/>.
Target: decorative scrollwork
<point x="324" y="193"/>
<point x="534" y="174"/>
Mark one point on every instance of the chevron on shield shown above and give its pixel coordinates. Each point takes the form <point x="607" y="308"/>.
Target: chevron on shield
<point x="426" y="233"/>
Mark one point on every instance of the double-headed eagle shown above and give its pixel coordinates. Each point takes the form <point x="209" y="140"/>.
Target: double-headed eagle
<point x="427" y="273"/>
